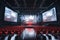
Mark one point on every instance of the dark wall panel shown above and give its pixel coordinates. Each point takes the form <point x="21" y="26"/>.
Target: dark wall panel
<point x="2" y="8"/>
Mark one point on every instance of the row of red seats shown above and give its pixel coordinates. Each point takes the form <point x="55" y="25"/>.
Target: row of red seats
<point x="38" y="29"/>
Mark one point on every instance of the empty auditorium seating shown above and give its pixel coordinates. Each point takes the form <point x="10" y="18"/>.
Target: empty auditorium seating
<point x="42" y="33"/>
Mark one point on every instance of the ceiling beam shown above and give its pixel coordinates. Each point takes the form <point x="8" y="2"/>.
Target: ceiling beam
<point x="8" y="4"/>
<point x="41" y="6"/>
<point x="16" y="2"/>
<point x="25" y="3"/>
<point x="52" y="3"/>
<point x="34" y="4"/>
<point x="48" y="6"/>
<point x="43" y="1"/>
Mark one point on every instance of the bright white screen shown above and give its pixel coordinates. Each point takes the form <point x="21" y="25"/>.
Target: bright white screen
<point x="49" y="15"/>
<point x="29" y="18"/>
<point x="10" y="15"/>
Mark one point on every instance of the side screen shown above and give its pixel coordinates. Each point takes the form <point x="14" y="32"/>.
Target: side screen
<point x="32" y="19"/>
<point x="10" y="15"/>
<point x="49" y="15"/>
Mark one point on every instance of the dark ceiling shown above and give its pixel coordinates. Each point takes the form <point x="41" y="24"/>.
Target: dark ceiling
<point x="29" y="6"/>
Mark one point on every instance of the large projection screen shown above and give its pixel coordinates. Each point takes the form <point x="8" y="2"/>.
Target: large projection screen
<point x="50" y="15"/>
<point x="26" y="19"/>
<point x="10" y="15"/>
